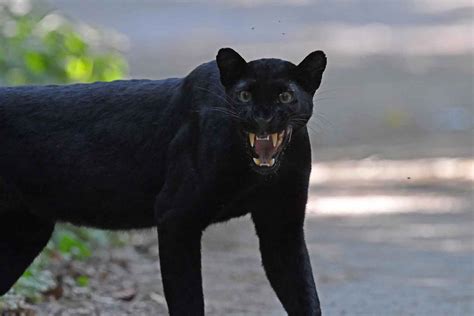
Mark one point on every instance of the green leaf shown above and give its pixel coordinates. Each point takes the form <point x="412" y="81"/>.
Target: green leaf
<point x="82" y="280"/>
<point x="79" y="68"/>
<point x="35" y="62"/>
<point x="75" y="44"/>
<point x="70" y="244"/>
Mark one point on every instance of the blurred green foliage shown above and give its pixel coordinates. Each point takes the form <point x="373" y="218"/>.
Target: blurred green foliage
<point x="68" y="243"/>
<point x="40" y="46"/>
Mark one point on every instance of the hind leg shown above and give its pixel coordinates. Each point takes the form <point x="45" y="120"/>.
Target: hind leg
<point x="22" y="237"/>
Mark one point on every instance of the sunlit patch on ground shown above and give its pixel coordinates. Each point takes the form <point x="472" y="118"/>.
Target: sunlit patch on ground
<point x="371" y="187"/>
<point x="454" y="169"/>
<point x="384" y="204"/>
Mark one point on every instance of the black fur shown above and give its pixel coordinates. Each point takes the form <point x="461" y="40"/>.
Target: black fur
<point x="171" y="153"/>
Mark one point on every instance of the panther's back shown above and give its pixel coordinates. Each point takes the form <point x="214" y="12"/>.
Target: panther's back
<point x="74" y="148"/>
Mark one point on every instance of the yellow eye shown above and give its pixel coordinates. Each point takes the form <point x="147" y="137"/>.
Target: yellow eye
<point x="286" y="97"/>
<point x="245" y="96"/>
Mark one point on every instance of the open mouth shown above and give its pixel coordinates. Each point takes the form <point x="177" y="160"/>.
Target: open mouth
<point x="267" y="147"/>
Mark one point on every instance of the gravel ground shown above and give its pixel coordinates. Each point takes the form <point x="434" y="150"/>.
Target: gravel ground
<point x="418" y="261"/>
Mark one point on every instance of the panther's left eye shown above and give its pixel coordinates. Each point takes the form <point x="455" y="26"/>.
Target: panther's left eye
<point x="286" y="97"/>
<point x="244" y="96"/>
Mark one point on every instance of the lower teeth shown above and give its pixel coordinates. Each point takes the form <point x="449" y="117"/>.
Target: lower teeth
<point x="259" y="163"/>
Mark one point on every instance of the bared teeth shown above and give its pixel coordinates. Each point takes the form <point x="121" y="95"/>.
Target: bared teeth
<point x="274" y="139"/>
<point x="280" y="138"/>
<point x="259" y="163"/>
<point x="252" y="139"/>
<point x="280" y="141"/>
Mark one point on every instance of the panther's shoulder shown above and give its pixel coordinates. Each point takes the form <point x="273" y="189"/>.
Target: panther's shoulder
<point x="204" y="74"/>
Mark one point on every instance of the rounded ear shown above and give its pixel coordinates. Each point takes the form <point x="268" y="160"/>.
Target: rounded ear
<point x="231" y="66"/>
<point x="310" y="70"/>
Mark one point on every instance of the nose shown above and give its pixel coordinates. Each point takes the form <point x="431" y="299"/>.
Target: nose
<point x="262" y="122"/>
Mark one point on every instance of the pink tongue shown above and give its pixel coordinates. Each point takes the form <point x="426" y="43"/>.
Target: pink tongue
<point x="264" y="150"/>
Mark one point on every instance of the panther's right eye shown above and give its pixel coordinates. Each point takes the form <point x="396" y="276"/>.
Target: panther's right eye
<point x="244" y="96"/>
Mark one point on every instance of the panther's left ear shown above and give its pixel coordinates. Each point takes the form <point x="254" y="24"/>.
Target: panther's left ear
<point x="310" y="70"/>
<point x="231" y="66"/>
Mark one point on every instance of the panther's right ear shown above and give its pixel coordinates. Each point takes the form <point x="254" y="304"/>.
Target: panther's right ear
<point x="231" y="66"/>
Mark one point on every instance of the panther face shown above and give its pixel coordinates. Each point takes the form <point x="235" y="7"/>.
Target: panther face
<point x="271" y="98"/>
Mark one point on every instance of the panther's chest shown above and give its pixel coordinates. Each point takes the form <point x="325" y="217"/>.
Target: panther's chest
<point x="234" y="198"/>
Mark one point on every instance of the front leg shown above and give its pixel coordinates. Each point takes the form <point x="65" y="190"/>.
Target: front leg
<point x="285" y="258"/>
<point x="182" y="215"/>
<point x="288" y="268"/>
<point x="183" y="210"/>
<point x="180" y="260"/>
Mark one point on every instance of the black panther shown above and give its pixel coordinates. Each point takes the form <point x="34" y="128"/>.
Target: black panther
<point x="178" y="154"/>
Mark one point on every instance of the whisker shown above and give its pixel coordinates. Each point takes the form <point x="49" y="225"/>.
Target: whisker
<point x="302" y="119"/>
<point x="320" y="129"/>
<point x="325" y="91"/>
<point x="322" y="99"/>
<point x="322" y="118"/>
<point x="311" y="129"/>
<point x="222" y="111"/>
<point x="224" y="94"/>
<point x="297" y="122"/>
<point x="223" y="98"/>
